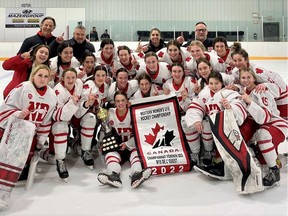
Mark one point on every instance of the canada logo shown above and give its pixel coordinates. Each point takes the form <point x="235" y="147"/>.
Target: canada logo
<point x="160" y="137"/>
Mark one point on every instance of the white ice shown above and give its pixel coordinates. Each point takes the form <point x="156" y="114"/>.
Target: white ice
<point x="174" y="194"/>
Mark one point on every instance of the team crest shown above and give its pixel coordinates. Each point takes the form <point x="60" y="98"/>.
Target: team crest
<point x="160" y="137"/>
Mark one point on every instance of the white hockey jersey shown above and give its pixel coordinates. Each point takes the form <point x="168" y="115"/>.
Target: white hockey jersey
<point x="74" y="63"/>
<point x="266" y="76"/>
<point x="155" y="90"/>
<point x="41" y="104"/>
<point x="186" y="59"/>
<point x="162" y="74"/>
<point x="109" y="63"/>
<point x="132" y="70"/>
<point x="66" y="107"/>
<point x="122" y="125"/>
<point x="208" y="103"/>
<point x="263" y="110"/>
<point x="131" y="88"/>
<point x="100" y="93"/>
<point x="186" y="85"/>
<point x="227" y="60"/>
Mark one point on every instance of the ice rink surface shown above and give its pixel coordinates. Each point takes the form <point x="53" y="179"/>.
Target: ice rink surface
<point x="174" y="194"/>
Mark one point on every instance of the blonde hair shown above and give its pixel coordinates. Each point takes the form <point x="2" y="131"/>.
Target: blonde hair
<point x="36" y="69"/>
<point x="249" y="70"/>
<point x="198" y="43"/>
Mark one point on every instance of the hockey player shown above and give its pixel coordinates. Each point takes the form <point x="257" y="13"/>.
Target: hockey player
<point x="62" y="61"/>
<point x="22" y="65"/>
<point x="204" y="69"/>
<point x="35" y="102"/>
<point x="87" y="66"/>
<point x="94" y="94"/>
<point x="158" y="71"/>
<point x="198" y="51"/>
<point x="146" y="87"/>
<point x="68" y="92"/>
<point x="128" y="60"/>
<point x="221" y="48"/>
<point x="119" y="119"/>
<point x="241" y="60"/>
<point x="122" y="83"/>
<point x="182" y="85"/>
<point x="174" y="53"/>
<point x="212" y="99"/>
<point x="107" y="55"/>
<point x="273" y="129"/>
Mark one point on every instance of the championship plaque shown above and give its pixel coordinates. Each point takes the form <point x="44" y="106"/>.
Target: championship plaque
<point x="111" y="141"/>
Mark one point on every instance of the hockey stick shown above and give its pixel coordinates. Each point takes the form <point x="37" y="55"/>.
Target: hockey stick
<point x="32" y="170"/>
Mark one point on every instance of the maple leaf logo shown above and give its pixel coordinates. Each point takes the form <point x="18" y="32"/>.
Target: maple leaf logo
<point x="161" y="54"/>
<point x="150" y="139"/>
<point x="57" y="92"/>
<point x="258" y="70"/>
<point x="86" y="86"/>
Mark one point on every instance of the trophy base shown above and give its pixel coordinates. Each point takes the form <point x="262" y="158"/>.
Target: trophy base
<point x="110" y="143"/>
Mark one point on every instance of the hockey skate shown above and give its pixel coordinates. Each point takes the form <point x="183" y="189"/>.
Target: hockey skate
<point x="112" y="180"/>
<point x="32" y="170"/>
<point x="62" y="170"/>
<point x="88" y="159"/>
<point x="194" y="158"/>
<point x="207" y="158"/>
<point x="139" y="177"/>
<point x="45" y="155"/>
<point x="215" y="170"/>
<point x="272" y="179"/>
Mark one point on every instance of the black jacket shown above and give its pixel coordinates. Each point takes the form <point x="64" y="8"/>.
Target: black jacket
<point x="37" y="39"/>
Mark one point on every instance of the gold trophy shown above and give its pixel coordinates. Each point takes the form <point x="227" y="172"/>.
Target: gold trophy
<point x="111" y="140"/>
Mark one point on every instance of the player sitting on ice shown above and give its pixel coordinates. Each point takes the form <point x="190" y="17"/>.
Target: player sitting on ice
<point x="119" y="119"/>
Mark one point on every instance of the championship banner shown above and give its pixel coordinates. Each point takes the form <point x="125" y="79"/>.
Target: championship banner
<point x="243" y="165"/>
<point x="24" y="17"/>
<point x="160" y="141"/>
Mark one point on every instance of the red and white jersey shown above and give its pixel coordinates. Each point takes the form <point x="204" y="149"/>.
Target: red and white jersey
<point x="186" y="59"/>
<point x="263" y="110"/>
<point x="216" y="62"/>
<point x="100" y="59"/>
<point x="186" y="85"/>
<point x="86" y="75"/>
<point x="155" y="90"/>
<point x="132" y="70"/>
<point x="208" y="103"/>
<point x="74" y="63"/>
<point x="227" y="79"/>
<point x="131" y="88"/>
<point x="265" y="76"/>
<point x="66" y="107"/>
<point x="40" y="103"/>
<point x="162" y="74"/>
<point x="89" y="87"/>
<point x="122" y="125"/>
<point x="227" y="60"/>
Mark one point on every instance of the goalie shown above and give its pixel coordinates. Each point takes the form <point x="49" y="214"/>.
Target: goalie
<point x="25" y="115"/>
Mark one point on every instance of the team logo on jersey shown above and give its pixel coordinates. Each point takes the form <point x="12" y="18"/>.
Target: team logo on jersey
<point x="86" y="86"/>
<point x="259" y="71"/>
<point x="111" y="122"/>
<point x="30" y="96"/>
<point x="161" y="54"/>
<point x="160" y="137"/>
<point x="57" y="92"/>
